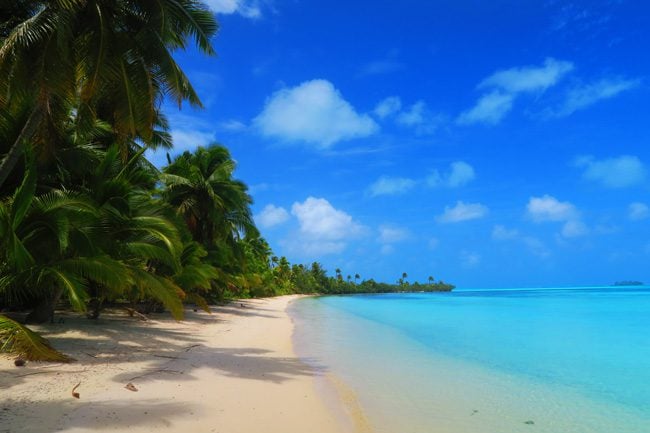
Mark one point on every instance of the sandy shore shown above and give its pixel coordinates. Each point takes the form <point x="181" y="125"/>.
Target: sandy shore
<point x="233" y="371"/>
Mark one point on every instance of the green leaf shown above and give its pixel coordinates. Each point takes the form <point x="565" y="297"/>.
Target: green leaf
<point x="20" y="340"/>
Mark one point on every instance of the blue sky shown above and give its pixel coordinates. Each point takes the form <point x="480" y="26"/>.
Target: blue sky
<point x="490" y="144"/>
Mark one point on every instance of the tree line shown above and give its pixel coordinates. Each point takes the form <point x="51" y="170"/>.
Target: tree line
<point x="86" y="220"/>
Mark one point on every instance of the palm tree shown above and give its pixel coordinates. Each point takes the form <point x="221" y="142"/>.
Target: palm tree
<point x="216" y="209"/>
<point x="430" y="279"/>
<point x="111" y="59"/>
<point x="356" y="277"/>
<point x="215" y="206"/>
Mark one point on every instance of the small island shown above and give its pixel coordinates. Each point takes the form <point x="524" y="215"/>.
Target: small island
<point x="628" y="283"/>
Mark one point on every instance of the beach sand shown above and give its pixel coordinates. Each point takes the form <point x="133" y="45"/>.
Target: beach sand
<point x="233" y="371"/>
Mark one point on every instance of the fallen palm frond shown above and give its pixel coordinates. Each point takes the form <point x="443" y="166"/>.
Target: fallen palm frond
<point x="27" y="344"/>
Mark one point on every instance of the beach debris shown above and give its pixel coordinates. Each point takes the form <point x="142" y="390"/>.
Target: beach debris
<point x="529" y="422"/>
<point x="187" y="349"/>
<point x="75" y="394"/>
<point x="474" y="412"/>
<point x="131" y="387"/>
<point x="133" y="313"/>
<point x="19" y="362"/>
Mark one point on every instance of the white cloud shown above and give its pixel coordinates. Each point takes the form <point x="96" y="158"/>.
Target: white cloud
<point x="248" y="9"/>
<point x="528" y="78"/>
<point x="420" y="118"/>
<point x="584" y="96"/>
<point x="619" y="172"/>
<point x="470" y="259"/>
<point x="548" y="208"/>
<point x="388" y="107"/>
<point x="381" y="67"/>
<point x="323" y="229"/>
<point x="463" y="212"/>
<point x="313" y="112"/>
<point x="505" y="85"/>
<point x="413" y="116"/>
<point x="271" y="216"/>
<point x="460" y="173"/>
<point x="232" y="125"/>
<point x="490" y="109"/>
<point x="391" y="234"/>
<point x="534" y="245"/>
<point x="638" y="211"/>
<point x="190" y="139"/>
<point x="387" y="249"/>
<point x="501" y="233"/>
<point x="318" y="219"/>
<point x="573" y="229"/>
<point x="386" y="185"/>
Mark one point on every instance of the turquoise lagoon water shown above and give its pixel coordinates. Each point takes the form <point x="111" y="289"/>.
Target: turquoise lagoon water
<point x="498" y="361"/>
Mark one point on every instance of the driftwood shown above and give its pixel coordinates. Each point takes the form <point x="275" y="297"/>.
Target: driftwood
<point x="75" y="394"/>
<point x="134" y="313"/>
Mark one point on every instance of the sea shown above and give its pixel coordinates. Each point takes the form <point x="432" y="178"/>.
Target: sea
<point x="545" y="360"/>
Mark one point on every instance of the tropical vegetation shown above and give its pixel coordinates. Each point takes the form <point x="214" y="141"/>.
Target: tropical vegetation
<point x="86" y="220"/>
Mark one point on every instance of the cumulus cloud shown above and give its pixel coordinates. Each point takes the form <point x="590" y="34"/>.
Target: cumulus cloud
<point x="389" y="234"/>
<point x="232" y="125"/>
<point x="573" y="229"/>
<point x="584" y="96"/>
<point x="535" y="246"/>
<point x="528" y="78"/>
<point x="548" y="208"/>
<point x="460" y="173"/>
<point x="323" y="229"/>
<point x="271" y="216"/>
<point x="470" y="259"/>
<point x="318" y="219"/>
<point x="381" y="67"/>
<point x="420" y="118"/>
<point x="414" y="115"/>
<point x="638" y="211"/>
<point x="248" y="9"/>
<point x="502" y="88"/>
<point x="490" y="109"/>
<point x="619" y="172"/>
<point x="463" y="212"/>
<point x="388" y="107"/>
<point x="386" y="185"/>
<point x="501" y="233"/>
<point x="313" y="112"/>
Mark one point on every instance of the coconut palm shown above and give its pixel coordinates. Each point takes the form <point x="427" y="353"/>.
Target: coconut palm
<point x="215" y="206"/>
<point x="111" y="59"/>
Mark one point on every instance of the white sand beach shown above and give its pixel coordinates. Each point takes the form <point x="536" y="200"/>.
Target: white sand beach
<point x="233" y="371"/>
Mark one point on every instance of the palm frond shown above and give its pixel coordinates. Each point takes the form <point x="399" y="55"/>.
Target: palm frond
<point x="20" y="340"/>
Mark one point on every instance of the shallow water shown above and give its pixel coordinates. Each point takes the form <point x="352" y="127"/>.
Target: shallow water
<point x="542" y="360"/>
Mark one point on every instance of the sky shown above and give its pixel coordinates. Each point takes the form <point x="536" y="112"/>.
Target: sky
<point x="487" y="144"/>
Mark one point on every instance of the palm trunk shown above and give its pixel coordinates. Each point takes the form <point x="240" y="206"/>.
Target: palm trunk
<point x="18" y="147"/>
<point x="44" y="310"/>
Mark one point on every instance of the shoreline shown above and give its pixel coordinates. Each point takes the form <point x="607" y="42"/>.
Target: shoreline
<point x="234" y="371"/>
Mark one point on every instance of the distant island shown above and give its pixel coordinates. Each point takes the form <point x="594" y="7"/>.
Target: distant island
<point x="628" y="283"/>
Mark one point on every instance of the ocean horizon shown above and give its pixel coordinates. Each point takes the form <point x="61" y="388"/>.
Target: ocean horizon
<point x="555" y="359"/>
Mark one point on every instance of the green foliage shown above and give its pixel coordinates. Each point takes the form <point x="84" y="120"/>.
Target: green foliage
<point x="19" y="340"/>
<point x="85" y="219"/>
